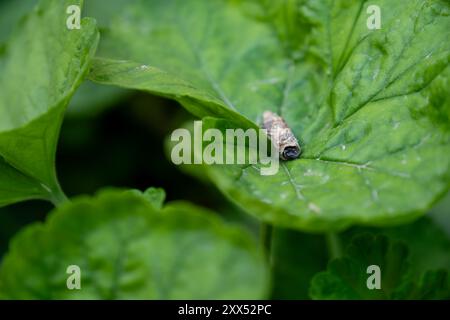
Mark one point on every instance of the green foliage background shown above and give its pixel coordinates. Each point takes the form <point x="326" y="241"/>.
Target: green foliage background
<point x="89" y="112"/>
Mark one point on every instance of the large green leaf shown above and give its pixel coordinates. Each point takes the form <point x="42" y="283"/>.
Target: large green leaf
<point x="370" y="107"/>
<point x="10" y="13"/>
<point x="90" y="98"/>
<point x="40" y="68"/>
<point x="127" y="249"/>
<point x="346" y="277"/>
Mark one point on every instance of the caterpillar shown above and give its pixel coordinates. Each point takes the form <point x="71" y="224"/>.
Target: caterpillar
<point x="280" y="134"/>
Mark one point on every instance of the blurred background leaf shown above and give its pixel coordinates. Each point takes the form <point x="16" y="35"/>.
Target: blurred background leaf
<point x="347" y="277"/>
<point x="11" y="12"/>
<point x="41" y="67"/>
<point x="296" y="258"/>
<point x="126" y="248"/>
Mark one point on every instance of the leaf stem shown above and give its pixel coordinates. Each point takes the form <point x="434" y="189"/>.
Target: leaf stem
<point x="58" y="197"/>
<point x="266" y="231"/>
<point x="334" y="245"/>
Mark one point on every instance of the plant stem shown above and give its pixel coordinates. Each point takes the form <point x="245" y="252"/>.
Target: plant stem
<point x="266" y="239"/>
<point x="58" y="197"/>
<point x="334" y="245"/>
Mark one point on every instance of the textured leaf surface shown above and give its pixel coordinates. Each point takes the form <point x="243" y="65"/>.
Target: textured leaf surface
<point x="90" y="98"/>
<point x="346" y="277"/>
<point x="370" y="107"/>
<point x="40" y="68"/>
<point x="128" y="250"/>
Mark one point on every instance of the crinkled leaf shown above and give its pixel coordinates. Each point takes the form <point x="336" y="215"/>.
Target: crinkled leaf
<point x="40" y="69"/>
<point x="370" y="107"/>
<point x="90" y="98"/>
<point x="347" y="277"/>
<point x="138" y="76"/>
<point x="428" y="244"/>
<point x="155" y="196"/>
<point x="127" y="250"/>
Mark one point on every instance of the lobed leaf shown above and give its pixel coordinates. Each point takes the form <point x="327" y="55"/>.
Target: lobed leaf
<point x="127" y="249"/>
<point x="370" y="107"/>
<point x="429" y="245"/>
<point x="347" y="277"/>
